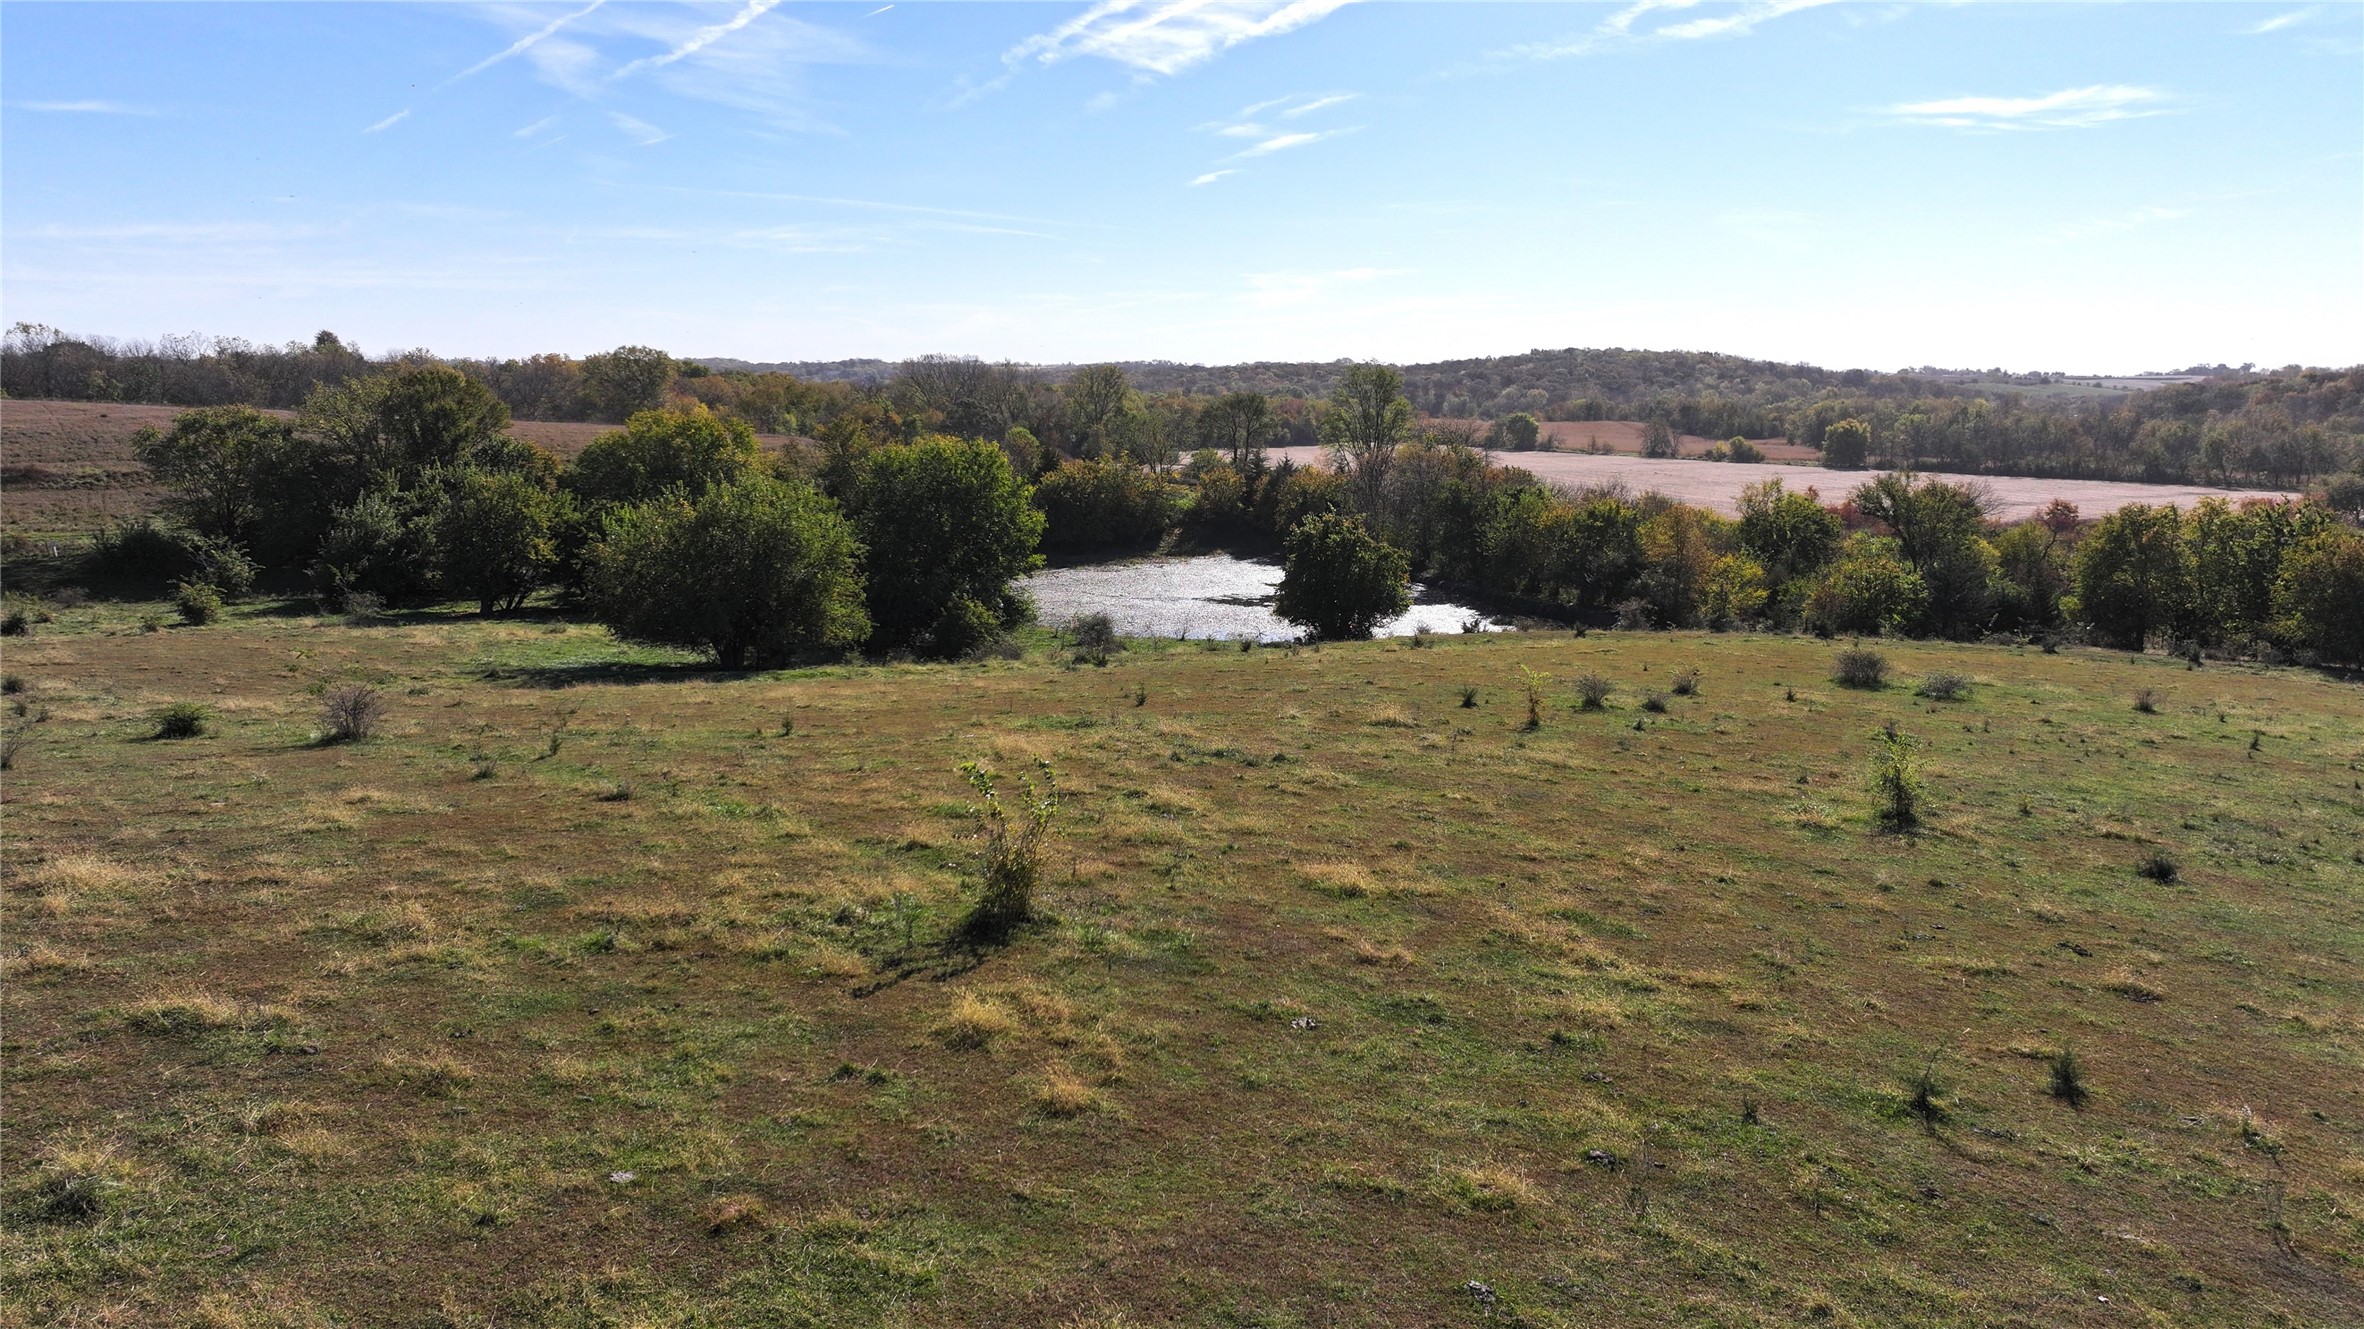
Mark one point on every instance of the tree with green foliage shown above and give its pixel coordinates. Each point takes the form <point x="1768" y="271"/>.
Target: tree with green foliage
<point x="1097" y="397"/>
<point x="1107" y="504"/>
<point x="622" y="383"/>
<point x="215" y="462"/>
<point x="2237" y="553"/>
<point x="755" y="572"/>
<point x="2031" y="575"/>
<point x="394" y="427"/>
<point x="1846" y="445"/>
<point x="1240" y="425"/>
<point x="1789" y="534"/>
<point x="663" y="451"/>
<point x="2134" y="575"/>
<point x="1658" y="441"/>
<point x="1517" y="432"/>
<point x="1339" y="581"/>
<point x="493" y="536"/>
<point x="2319" y="596"/>
<point x="1869" y="588"/>
<point x="1368" y="416"/>
<point x="948" y="526"/>
<point x="381" y="544"/>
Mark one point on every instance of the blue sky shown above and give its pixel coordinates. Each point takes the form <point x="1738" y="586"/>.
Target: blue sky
<point x="2101" y="188"/>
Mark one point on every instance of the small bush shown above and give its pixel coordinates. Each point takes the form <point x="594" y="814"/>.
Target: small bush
<point x="618" y="792"/>
<point x="1925" y="1094"/>
<point x="1656" y="703"/>
<point x="12" y="685"/>
<point x="1944" y="685"/>
<point x="1861" y="669"/>
<point x="1009" y="857"/>
<point x="1592" y="691"/>
<point x="1469" y="698"/>
<point x="351" y="713"/>
<point x="1895" y="780"/>
<point x="1095" y="638"/>
<point x="2159" y="867"/>
<point x="363" y="608"/>
<point x="1532" y="684"/>
<point x="182" y="719"/>
<point x="1686" y="683"/>
<point x="11" y="744"/>
<point x="16" y="622"/>
<point x="198" y="602"/>
<point x="2068" y="1080"/>
<point x="2146" y="701"/>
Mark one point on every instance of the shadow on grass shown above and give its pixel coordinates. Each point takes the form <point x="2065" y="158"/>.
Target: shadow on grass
<point x="580" y="673"/>
<point x="972" y="943"/>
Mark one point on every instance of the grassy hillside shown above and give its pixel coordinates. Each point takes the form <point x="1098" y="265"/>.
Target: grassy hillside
<point x="597" y="990"/>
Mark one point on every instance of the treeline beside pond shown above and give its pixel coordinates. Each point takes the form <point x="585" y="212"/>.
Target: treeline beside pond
<point x="2284" y="429"/>
<point x="887" y="536"/>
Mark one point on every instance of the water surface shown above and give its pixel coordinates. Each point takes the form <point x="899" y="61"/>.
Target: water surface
<point x="1208" y="596"/>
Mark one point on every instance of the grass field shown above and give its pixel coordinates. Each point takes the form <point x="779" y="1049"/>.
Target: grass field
<point x="596" y="989"/>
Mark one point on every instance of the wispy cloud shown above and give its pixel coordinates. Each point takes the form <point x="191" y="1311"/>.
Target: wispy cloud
<point x="1283" y="142"/>
<point x="1320" y="103"/>
<point x="2093" y="227"/>
<point x="537" y="126"/>
<point x="1631" y="26"/>
<point x="2070" y="108"/>
<point x="638" y="130"/>
<point x="389" y="122"/>
<point x="701" y="39"/>
<point x="1167" y="36"/>
<point x="1250" y="123"/>
<point x="525" y="43"/>
<point x="2281" y="21"/>
<point x="1212" y="176"/>
<point x="83" y="108"/>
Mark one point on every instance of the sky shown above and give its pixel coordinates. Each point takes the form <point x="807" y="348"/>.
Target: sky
<point x="2094" y="188"/>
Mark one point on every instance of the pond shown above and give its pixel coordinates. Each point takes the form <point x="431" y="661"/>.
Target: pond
<point x="1208" y="596"/>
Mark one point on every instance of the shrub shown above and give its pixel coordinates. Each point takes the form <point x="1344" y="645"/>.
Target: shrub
<point x="2146" y="700"/>
<point x="1895" y="780"/>
<point x="2318" y="600"/>
<point x="1532" y="684"/>
<point x="12" y="743"/>
<point x="1469" y="698"/>
<point x="1010" y="852"/>
<point x="16" y="622"/>
<point x="1108" y="504"/>
<point x="1925" y="1094"/>
<point x="665" y="451"/>
<point x="942" y="521"/>
<point x="1095" y="638"/>
<point x="1686" y="683"/>
<point x="1861" y="669"/>
<point x="350" y="713"/>
<point x="2068" y="1079"/>
<point x="1592" y="691"/>
<point x="1655" y="703"/>
<point x="753" y="572"/>
<point x="2159" y="867"/>
<point x="181" y="719"/>
<point x="12" y="684"/>
<point x="198" y="603"/>
<point x="1339" y="581"/>
<point x="1944" y="685"/>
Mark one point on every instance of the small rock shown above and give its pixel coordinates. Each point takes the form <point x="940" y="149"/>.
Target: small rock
<point x="1485" y="1295"/>
<point x="623" y="1178"/>
<point x="1305" y="1022"/>
<point x="1600" y="1158"/>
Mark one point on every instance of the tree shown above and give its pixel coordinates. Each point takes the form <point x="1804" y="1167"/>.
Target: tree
<point x="2319" y="596"/>
<point x="1658" y="441"/>
<point x="1869" y="588"/>
<point x="2134" y="574"/>
<point x="754" y="572"/>
<point x="1846" y="446"/>
<point x="626" y="381"/>
<point x="1368" y="417"/>
<point x="1789" y="534"/>
<point x="2237" y="553"/>
<point x="1104" y="504"/>
<point x="665" y="450"/>
<point x="397" y="426"/>
<point x="215" y="460"/>
<point x="1733" y="592"/>
<point x="381" y="544"/>
<point x="1096" y="398"/>
<point x="1240" y="424"/>
<point x="1517" y="432"/>
<point x="948" y="525"/>
<point x="1339" y="581"/>
<point x="1939" y="528"/>
<point x="2031" y="575"/>
<point x="493" y="536"/>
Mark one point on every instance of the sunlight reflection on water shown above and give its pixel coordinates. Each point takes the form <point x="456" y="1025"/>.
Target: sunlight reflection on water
<point x="1208" y="596"/>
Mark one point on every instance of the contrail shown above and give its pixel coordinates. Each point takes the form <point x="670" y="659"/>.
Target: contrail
<point x="701" y="39"/>
<point x="522" y="43"/>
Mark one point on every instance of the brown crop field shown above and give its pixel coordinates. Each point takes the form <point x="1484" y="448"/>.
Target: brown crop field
<point x="1624" y="437"/>
<point x="600" y="989"/>
<point x="1717" y="485"/>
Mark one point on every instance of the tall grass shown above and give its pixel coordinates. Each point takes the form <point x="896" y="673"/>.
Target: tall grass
<point x="1011" y="829"/>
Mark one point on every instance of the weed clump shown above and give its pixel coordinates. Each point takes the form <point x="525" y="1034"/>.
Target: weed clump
<point x="1944" y="685"/>
<point x="1686" y="683"/>
<point x="976" y="1022"/>
<point x="198" y="602"/>
<point x="1010" y="853"/>
<point x="350" y="713"/>
<point x="1860" y="668"/>
<point x="1656" y="703"/>
<point x="12" y="743"/>
<point x="1592" y="691"/>
<point x="12" y="684"/>
<point x="2068" y="1080"/>
<point x="2146" y="701"/>
<point x="181" y="719"/>
<point x="1895" y="779"/>
<point x="1468" y="699"/>
<point x="2159" y="866"/>
<point x="1532" y="684"/>
<point x="1925" y="1096"/>
<point x="1094" y="637"/>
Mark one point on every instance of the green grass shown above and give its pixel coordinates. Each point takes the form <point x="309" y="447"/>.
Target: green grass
<point x="1347" y="996"/>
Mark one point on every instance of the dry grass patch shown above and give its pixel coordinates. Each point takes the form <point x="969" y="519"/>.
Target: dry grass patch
<point x="1391" y="717"/>
<point x="1366" y="951"/>
<point x="40" y="959"/>
<point x="1488" y="1189"/>
<point x="435" y="1075"/>
<point x="976" y="1022"/>
<point x="1061" y="1094"/>
<point x="178" y="1013"/>
<point x="1347" y="881"/>
<point x="2132" y="986"/>
<point x="732" y="1213"/>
